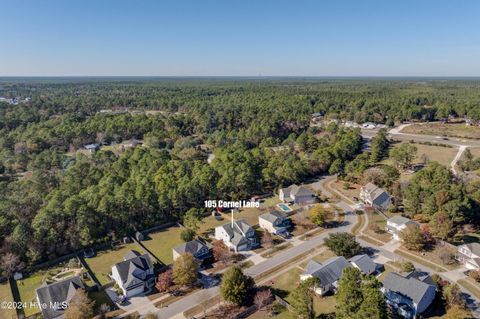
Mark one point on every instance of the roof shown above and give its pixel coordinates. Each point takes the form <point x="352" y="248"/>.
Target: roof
<point x="191" y="247"/>
<point x="301" y="191"/>
<point x="378" y="195"/>
<point x="329" y="271"/>
<point x="132" y="266"/>
<point x="237" y="231"/>
<point x="59" y="292"/>
<point x="409" y="287"/>
<point x="400" y="220"/>
<point x="272" y="216"/>
<point x="364" y="262"/>
<point x="474" y="248"/>
<point x="91" y="146"/>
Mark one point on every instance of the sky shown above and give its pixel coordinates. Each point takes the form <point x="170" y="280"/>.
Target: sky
<point x="239" y="38"/>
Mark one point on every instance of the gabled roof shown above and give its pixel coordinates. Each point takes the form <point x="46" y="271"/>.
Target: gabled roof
<point x="410" y="287"/>
<point x="364" y="262"/>
<point x="190" y="247"/>
<point x="473" y="247"/>
<point x="133" y="265"/>
<point x="58" y="292"/>
<point x="400" y="220"/>
<point x="329" y="271"/>
<point x="377" y="194"/>
<point x="295" y="190"/>
<point x="237" y="231"/>
<point x="272" y="216"/>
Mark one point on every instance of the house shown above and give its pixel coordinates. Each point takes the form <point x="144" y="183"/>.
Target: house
<point x="328" y="272"/>
<point x="54" y="298"/>
<point x="274" y="222"/>
<point x="375" y="197"/>
<point x="409" y="295"/>
<point x="237" y="235"/>
<point x="396" y="224"/>
<point x="297" y="194"/>
<point x="134" y="274"/>
<point x="469" y="255"/>
<point x="196" y="248"/>
<point x="92" y="148"/>
<point x="131" y="143"/>
<point x="363" y="263"/>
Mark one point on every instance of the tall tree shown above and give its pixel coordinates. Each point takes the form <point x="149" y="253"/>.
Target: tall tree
<point x="349" y="295"/>
<point x="235" y="286"/>
<point x="302" y="298"/>
<point x="343" y="244"/>
<point x="80" y="307"/>
<point x="184" y="270"/>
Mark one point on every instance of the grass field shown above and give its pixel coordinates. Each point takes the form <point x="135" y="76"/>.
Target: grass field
<point x="27" y="286"/>
<point x="440" y="154"/>
<point x="380" y="222"/>
<point x="161" y="243"/>
<point x="102" y="263"/>
<point x="352" y="191"/>
<point x="444" y="129"/>
<point x="6" y="295"/>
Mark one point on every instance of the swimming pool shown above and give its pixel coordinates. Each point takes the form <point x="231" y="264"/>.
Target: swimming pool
<point x="284" y="207"/>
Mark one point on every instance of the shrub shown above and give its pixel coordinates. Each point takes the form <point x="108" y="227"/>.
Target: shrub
<point x="475" y="275"/>
<point x="408" y="267"/>
<point x="187" y="235"/>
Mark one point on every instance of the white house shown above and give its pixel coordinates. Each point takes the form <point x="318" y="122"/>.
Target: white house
<point x="274" y="222"/>
<point x="297" y="194"/>
<point x="134" y="275"/>
<point x="237" y="235"/>
<point x="375" y="197"/>
<point x="410" y="295"/>
<point x="469" y="255"/>
<point x="397" y="224"/>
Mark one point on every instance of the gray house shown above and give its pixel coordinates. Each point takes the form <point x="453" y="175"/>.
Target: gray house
<point x="375" y="197"/>
<point x="410" y="295"/>
<point x="363" y="263"/>
<point x="196" y="248"/>
<point x="328" y="272"/>
<point x="297" y="195"/>
<point x="56" y="296"/>
<point x="274" y="222"/>
<point x="134" y="275"/>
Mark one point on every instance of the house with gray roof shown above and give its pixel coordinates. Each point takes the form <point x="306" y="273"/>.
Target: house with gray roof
<point x="54" y="298"/>
<point x="328" y="273"/>
<point x="297" y="194"/>
<point x="410" y="295"/>
<point x="196" y="248"/>
<point x="363" y="263"/>
<point x="274" y="222"/>
<point x="375" y="197"/>
<point x="469" y="255"/>
<point x="134" y="275"/>
<point x="397" y="224"/>
<point x="237" y="235"/>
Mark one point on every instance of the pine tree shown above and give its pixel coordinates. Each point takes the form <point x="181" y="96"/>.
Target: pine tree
<point x="235" y="286"/>
<point x="349" y="295"/>
<point x="302" y="299"/>
<point x="373" y="305"/>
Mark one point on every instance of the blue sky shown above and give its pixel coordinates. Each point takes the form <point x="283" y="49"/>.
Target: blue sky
<point x="240" y="38"/>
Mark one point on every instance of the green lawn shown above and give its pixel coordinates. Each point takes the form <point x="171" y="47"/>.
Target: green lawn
<point x="161" y="243"/>
<point x="27" y="286"/>
<point x="102" y="263"/>
<point x="6" y="295"/>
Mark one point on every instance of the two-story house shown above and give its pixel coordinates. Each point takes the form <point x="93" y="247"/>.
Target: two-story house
<point x="238" y="235"/>
<point x="299" y="195"/>
<point x="274" y="222"/>
<point x="55" y="297"/>
<point x="469" y="255"/>
<point x="134" y="275"/>
<point x="410" y="295"/>
<point x="196" y="248"/>
<point x="375" y="197"/>
<point x="397" y="224"/>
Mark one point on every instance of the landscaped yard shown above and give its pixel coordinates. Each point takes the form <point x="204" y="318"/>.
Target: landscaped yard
<point x="249" y="214"/>
<point x="27" y="286"/>
<point x="101" y="264"/>
<point x="444" y="129"/>
<point x="376" y="227"/>
<point x="6" y="295"/>
<point x="161" y="243"/>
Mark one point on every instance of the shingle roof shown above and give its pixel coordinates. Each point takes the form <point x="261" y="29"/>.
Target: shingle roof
<point x="329" y="271"/>
<point x="365" y="263"/>
<point x="191" y="247"/>
<point x="272" y="216"/>
<point x="408" y="287"/>
<point x="237" y="232"/>
<point x="377" y="194"/>
<point x="474" y="248"/>
<point x="399" y="220"/>
<point x="132" y="266"/>
<point x="62" y="291"/>
<point x="301" y="191"/>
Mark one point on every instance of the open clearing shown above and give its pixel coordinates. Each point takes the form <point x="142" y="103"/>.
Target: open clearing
<point x="444" y="129"/>
<point x="441" y="154"/>
<point x="161" y="243"/>
<point x="101" y="264"/>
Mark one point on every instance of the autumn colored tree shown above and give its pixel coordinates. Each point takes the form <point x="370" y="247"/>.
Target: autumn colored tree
<point x="220" y="252"/>
<point x="80" y="306"/>
<point x="413" y="238"/>
<point x="267" y="239"/>
<point x="184" y="270"/>
<point x="263" y="298"/>
<point x="165" y="280"/>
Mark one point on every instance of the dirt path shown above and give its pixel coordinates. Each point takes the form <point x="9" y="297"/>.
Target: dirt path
<point x="461" y="149"/>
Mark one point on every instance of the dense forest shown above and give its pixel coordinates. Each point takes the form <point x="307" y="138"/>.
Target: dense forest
<point x="203" y="139"/>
